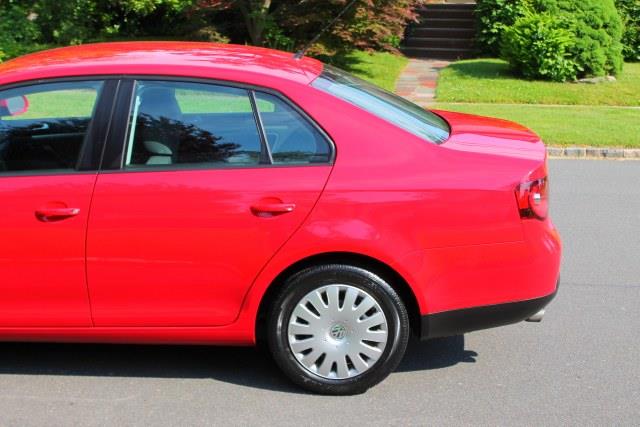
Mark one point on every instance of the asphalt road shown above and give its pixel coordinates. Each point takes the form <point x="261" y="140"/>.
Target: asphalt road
<point x="578" y="367"/>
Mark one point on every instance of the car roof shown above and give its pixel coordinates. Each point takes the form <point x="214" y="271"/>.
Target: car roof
<point x="194" y="59"/>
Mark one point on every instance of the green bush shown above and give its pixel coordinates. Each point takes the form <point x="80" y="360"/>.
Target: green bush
<point x="630" y="12"/>
<point x="493" y="17"/>
<point x="563" y="39"/>
<point x="538" y="45"/>
<point x="17" y="29"/>
<point x="597" y="30"/>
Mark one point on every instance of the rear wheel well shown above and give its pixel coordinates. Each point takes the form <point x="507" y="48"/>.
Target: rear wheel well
<point x="395" y="280"/>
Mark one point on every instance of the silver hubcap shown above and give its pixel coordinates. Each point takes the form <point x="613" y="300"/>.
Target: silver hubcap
<point x="337" y="331"/>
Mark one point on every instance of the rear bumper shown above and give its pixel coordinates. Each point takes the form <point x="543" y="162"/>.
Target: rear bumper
<point x="458" y="322"/>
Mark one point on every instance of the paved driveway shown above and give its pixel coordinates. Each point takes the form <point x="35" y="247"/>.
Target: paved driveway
<point x="579" y="367"/>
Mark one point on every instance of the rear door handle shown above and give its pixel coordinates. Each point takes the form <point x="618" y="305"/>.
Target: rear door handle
<point x="269" y="208"/>
<point x="53" y="214"/>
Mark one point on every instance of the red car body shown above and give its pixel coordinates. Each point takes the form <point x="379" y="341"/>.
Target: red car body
<point x="184" y="256"/>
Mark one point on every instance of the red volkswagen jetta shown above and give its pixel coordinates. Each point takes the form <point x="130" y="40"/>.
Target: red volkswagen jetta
<point x="218" y="194"/>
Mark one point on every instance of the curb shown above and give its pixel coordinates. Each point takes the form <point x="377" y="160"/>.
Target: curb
<point x="594" y="153"/>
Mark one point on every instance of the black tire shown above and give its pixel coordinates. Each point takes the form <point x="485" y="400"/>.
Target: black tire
<point x="297" y="287"/>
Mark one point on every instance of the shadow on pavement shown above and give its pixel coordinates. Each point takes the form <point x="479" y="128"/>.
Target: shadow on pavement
<point x="436" y="354"/>
<point x="242" y="366"/>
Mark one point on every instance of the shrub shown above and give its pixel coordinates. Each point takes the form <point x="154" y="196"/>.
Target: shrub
<point x="66" y="22"/>
<point x="493" y="17"/>
<point x="565" y="39"/>
<point x="17" y="29"/>
<point x="79" y="21"/>
<point x="597" y="30"/>
<point x="630" y="12"/>
<point x="539" y="46"/>
<point x="374" y="24"/>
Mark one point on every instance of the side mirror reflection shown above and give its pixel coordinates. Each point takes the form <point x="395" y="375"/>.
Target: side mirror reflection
<point x="14" y="106"/>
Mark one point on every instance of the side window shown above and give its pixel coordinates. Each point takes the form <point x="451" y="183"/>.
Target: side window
<point x="292" y="139"/>
<point x="43" y="127"/>
<point x="179" y="123"/>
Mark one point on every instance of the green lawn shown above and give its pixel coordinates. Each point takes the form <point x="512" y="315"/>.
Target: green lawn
<point x="81" y="102"/>
<point x="567" y="126"/>
<point x="380" y="68"/>
<point x="62" y="103"/>
<point x="489" y="80"/>
<point x="574" y="114"/>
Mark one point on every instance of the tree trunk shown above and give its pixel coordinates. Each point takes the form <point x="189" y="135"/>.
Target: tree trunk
<point x="256" y="16"/>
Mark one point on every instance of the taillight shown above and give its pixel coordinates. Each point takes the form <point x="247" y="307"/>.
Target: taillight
<point x="533" y="193"/>
<point x="533" y="198"/>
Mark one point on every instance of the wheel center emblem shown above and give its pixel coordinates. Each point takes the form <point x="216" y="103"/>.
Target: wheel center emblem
<point x="338" y="332"/>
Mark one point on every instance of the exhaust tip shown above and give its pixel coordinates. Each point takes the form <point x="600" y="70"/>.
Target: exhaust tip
<point x="537" y="318"/>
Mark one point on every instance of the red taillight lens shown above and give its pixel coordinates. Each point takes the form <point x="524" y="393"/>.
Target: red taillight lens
<point x="533" y="198"/>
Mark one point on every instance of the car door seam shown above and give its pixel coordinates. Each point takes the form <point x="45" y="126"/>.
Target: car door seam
<point x="277" y="251"/>
<point x="105" y="137"/>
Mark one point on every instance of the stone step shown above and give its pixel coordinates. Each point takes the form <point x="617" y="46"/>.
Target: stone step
<point x="456" y="33"/>
<point x="437" y="53"/>
<point x="451" y="13"/>
<point x="446" y="23"/>
<point x="444" y="31"/>
<point x="439" y="42"/>
<point x="468" y="6"/>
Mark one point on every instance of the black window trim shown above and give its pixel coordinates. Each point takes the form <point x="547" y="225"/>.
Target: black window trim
<point x="113" y="158"/>
<point x="113" y="153"/>
<point x="97" y="134"/>
<point x="90" y="156"/>
<point x="266" y="158"/>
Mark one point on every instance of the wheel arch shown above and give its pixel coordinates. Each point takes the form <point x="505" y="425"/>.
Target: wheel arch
<point x="391" y="276"/>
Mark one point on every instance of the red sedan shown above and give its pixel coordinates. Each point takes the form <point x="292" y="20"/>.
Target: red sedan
<point x="218" y="194"/>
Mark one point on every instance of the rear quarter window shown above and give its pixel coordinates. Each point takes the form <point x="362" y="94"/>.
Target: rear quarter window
<point x="292" y="139"/>
<point x="386" y="105"/>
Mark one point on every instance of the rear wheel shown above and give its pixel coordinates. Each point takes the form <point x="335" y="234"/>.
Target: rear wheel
<point x="337" y="329"/>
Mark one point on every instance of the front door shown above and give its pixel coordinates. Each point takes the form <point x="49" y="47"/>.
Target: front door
<point x="46" y="182"/>
<point x="214" y="180"/>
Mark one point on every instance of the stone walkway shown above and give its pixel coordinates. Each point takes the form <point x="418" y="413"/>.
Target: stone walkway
<point x="418" y="80"/>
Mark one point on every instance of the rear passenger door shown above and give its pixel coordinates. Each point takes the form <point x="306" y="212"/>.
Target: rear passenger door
<point x="194" y="200"/>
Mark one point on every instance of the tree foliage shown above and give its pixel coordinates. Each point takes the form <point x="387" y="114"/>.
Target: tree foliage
<point x="17" y="29"/>
<point x="29" y="24"/>
<point x="370" y="24"/>
<point x="630" y="12"/>
<point x="284" y="24"/>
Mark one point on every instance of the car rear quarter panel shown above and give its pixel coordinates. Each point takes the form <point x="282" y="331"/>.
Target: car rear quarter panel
<point x="445" y="219"/>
